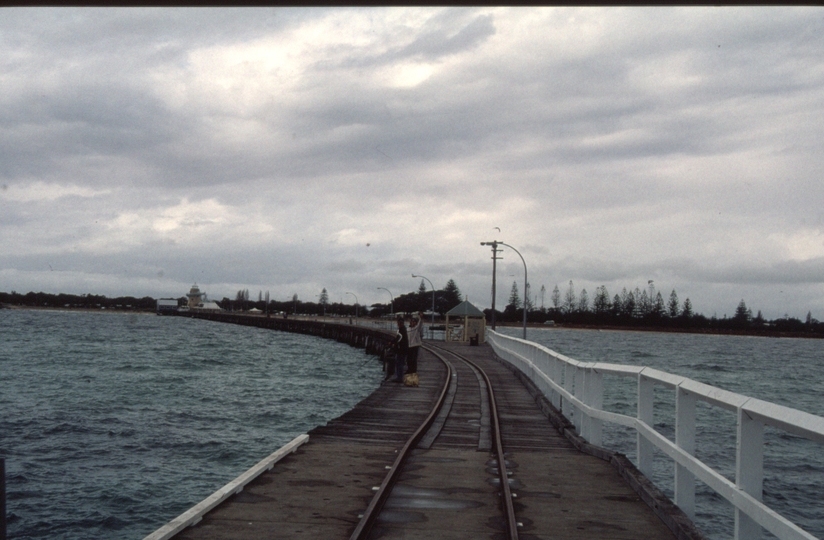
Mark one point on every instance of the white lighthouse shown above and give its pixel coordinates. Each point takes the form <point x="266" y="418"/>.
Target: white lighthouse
<point x="195" y="297"/>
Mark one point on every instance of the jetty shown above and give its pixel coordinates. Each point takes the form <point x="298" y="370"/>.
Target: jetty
<point x="502" y="439"/>
<point x="449" y="485"/>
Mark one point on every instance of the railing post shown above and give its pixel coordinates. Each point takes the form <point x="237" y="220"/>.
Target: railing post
<point x="584" y="429"/>
<point x="646" y="397"/>
<point x="749" y="471"/>
<point x="685" y="439"/>
<point x="568" y="386"/>
<point x="556" y="374"/>
<point x="540" y="367"/>
<point x="595" y="399"/>
<point x="543" y="364"/>
<point x="578" y="418"/>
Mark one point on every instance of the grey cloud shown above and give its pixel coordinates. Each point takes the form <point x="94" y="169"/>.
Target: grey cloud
<point x="446" y="33"/>
<point x="93" y="32"/>
<point x="613" y="172"/>
<point x="688" y="270"/>
<point x="779" y="273"/>
<point x="348" y="266"/>
<point x="88" y="121"/>
<point x="438" y="43"/>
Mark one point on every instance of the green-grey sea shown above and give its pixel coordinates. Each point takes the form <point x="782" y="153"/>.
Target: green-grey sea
<point x="113" y="424"/>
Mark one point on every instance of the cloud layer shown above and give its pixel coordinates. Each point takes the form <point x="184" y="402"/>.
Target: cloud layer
<point x="288" y="150"/>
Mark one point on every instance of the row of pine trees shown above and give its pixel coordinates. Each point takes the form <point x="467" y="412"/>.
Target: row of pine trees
<point x="639" y="307"/>
<point x="638" y="303"/>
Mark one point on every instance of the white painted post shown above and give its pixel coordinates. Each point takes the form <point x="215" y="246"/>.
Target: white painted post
<point x="685" y="439"/>
<point x="557" y="374"/>
<point x="749" y="471"/>
<point x="540" y="367"/>
<point x="584" y="430"/>
<point x="646" y="398"/>
<point x="546" y="369"/>
<point x="595" y="399"/>
<point x="569" y="387"/>
<point x="578" y="419"/>
<point x="526" y="353"/>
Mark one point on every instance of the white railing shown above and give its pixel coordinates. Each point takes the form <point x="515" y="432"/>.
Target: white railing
<point x="193" y="515"/>
<point x="578" y="386"/>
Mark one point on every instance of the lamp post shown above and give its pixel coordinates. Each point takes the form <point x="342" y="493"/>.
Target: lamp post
<point x="392" y="303"/>
<point x="433" y="295"/>
<point x="494" y="245"/>
<point x="356" y="303"/>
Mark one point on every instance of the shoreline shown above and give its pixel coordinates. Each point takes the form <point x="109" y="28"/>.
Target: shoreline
<point x="76" y="309"/>
<point x="670" y="330"/>
<point x="607" y="328"/>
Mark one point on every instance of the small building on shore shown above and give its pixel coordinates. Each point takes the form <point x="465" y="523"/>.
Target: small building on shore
<point x="166" y="306"/>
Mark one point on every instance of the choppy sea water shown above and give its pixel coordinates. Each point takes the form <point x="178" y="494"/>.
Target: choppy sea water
<point x="785" y="371"/>
<point x="113" y="424"/>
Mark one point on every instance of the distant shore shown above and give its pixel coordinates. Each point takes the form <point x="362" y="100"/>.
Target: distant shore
<point x="670" y="330"/>
<point x="78" y="309"/>
<point x="567" y="326"/>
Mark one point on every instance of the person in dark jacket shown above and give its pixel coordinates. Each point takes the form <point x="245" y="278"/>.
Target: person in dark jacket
<point x="401" y="346"/>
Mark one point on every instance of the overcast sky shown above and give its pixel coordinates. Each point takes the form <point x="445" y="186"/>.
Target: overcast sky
<point x="288" y="150"/>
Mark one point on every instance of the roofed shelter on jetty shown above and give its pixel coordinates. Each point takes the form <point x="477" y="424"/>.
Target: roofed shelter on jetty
<point x="473" y="324"/>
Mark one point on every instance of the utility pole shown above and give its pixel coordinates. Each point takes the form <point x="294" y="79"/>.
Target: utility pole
<point x="495" y="250"/>
<point x="495" y="244"/>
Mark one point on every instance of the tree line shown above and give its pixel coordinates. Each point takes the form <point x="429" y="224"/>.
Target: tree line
<point x="420" y="300"/>
<point x="629" y="308"/>
<point x="640" y="307"/>
<point x="75" y="301"/>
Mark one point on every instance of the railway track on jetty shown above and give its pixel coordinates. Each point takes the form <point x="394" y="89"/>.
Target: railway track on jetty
<point x="434" y="431"/>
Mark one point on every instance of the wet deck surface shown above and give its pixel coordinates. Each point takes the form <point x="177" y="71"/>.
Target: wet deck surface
<point x="445" y="491"/>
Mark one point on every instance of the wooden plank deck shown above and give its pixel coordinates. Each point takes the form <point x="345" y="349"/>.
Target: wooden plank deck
<point x="445" y="491"/>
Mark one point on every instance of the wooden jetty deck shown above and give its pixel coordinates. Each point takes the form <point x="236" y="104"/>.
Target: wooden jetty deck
<point x="448" y="488"/>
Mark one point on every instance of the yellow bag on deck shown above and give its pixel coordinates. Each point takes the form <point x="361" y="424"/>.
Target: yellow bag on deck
<point x="411" y="379"/>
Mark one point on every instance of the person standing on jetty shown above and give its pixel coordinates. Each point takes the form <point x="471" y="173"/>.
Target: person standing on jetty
<point x="401" y="346"/>
<point x="415" y="334"/>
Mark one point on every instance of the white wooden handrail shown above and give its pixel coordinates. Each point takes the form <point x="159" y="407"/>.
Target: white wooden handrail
<point x="196" y="513"/>
<point x="576" y="389"/>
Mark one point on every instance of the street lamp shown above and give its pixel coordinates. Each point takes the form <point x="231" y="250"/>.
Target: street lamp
<point x="356" y="303"/>
<point x="494" y="245"/>
<point x="495" y="250"/>
<point x="392" y="303"/>
<point x="433" y="295"/>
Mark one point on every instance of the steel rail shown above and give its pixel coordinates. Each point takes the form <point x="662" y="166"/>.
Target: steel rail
<point x="364" y="526"/>
<point x="506" y="492"/>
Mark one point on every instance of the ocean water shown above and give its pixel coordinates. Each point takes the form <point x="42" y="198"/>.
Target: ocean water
<point x="113" y="424"/>
<point x="785" y="371"/>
